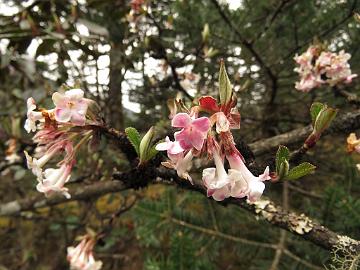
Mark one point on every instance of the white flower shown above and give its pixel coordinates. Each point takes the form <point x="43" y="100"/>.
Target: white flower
<point x="255" y="185"/>
<point x="32" y="116"/>
<point x="217" y="180"/>
<point x="32" y="164"/>
<point x="55" y="180"/>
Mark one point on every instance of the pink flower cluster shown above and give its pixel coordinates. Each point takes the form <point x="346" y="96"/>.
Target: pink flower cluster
<point x="317" y="67"/>
<point x="211" y="136"/>
<point x="56" y="137"/>
<point x="81" y="257"/>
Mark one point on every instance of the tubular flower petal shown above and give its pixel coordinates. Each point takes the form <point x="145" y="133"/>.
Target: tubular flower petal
<point x="255" y="183"/>
<point x="55" y="180"/>
<point x="81" y="257"/>
<point x="217" y="180"/>
<point x="32" y="116"/>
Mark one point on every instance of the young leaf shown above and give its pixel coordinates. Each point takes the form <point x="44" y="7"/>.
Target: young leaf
<point x="145" y="145"/>
<point x="300" y="171"/>
<point x="315" y="109"/>
<point x="134" y="138"/>
<point x="151" y="153"/>
<point x="225" y="90"/>
<point x="205" y="33"/>
<point x="283" y="169"/>
<point x="324" y="119"/>
<point x="282" y="154"/>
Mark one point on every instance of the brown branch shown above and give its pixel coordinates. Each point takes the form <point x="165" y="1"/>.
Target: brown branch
<point x="346" y="122"/>
<point x="350" y="97"/>
<point x="80" y="193"/>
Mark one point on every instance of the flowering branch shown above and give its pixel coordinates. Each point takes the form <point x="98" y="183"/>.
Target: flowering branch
<point x="300" y="225"/>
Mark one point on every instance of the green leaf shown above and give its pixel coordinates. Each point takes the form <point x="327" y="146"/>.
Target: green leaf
<point x="225" y="90"/>
<point x="134" y="137"/>
<point x="283" y="169"/>
<point x="145" y="145"/>
<point x="301" y="170"/>
<point x="315" y="109"/>
<point x="324" y="119"/>
<point x="152" y="152"/>
<point x="282" y="154"/>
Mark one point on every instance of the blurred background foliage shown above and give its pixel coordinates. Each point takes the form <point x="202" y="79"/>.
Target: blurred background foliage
<point x="131" y="57"/>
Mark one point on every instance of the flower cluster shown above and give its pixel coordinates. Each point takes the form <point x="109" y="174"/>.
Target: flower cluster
<point x="57" y="136"/>
<point x="353" y="144"/>
<point x="211" y="136"/>
<point x="81" y="257"/>
<point x="318" y="67"/>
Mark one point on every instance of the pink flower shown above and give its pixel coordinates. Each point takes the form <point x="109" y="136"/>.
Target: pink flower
<point x="55" y="180"/>
<point x="221" y="184"/>
<point x="81" y="257"/>
<point x="194" y="131"/>
<point x="335" y="67"/>
<point x="308" y="82"/>
<point x="317" y="68"/>
<point x="255" y="183"/>
<point x="70" y="107"/>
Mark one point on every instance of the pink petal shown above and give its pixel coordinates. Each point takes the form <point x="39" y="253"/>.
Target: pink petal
<point x="181" y="120"/>
<point x="202" y="124"/>
<point x="266" y="175"/>
<point x="62" y="115"/>
<point x="57" y="98"/>
<point x="221" y="194"/>
<point x="175" y="148"/>
<point x="78" y="119"/>
<point x="183" y="138"/>
<point x="81" y="106"/>
<point x="75" y="93"/>
<point x="196" y="139"/>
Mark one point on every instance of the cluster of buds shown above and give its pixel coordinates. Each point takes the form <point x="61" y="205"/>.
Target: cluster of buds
<point x="59" y="133"/>
<point x="81" y="257"/>
<point x="318" y="67"/>
<point x="353" y="144"/>
<point x="205" y="130"/>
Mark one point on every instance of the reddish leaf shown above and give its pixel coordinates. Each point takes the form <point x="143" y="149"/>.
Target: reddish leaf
<point x="209" y="104"/>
